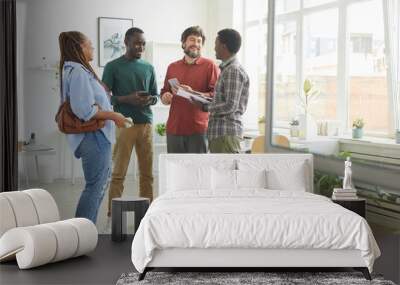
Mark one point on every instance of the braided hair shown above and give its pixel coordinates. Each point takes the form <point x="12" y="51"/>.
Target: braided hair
<point x="71" y="50"/>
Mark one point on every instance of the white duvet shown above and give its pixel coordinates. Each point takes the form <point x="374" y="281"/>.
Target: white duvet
<point x="253" y="218"/>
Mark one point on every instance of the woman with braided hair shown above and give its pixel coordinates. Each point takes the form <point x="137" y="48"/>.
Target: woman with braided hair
<point x="88" y="99"/>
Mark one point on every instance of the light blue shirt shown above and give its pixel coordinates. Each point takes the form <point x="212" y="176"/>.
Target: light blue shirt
<point x="84" y="91"/>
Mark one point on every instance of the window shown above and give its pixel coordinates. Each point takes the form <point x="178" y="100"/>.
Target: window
<point x="311" y="3"/>
<point x="342" y="51"/>
<point x="286" y="6"/>
<point x="352" y="58"/>
<point x="254" y="59"/>
<point x="361" y="43"/>
<point x="285" y="74"/>
<point x="367" y="69"/>
<point x="320" y="60"/>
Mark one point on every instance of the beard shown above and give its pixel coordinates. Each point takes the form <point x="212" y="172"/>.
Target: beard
<point x="192" y="53"/>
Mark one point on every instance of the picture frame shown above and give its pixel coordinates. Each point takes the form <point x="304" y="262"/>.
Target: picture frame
<point x="111" y="34"/>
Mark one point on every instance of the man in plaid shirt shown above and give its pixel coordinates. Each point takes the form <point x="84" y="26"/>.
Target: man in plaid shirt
<point x="231" y="95"/>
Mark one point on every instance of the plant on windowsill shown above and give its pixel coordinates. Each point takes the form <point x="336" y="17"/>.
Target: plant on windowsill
<point x="261" y="125"/>
<point x="357" y="131"/>
<point x="311" y="93"/>
<point x="294" y="128"/>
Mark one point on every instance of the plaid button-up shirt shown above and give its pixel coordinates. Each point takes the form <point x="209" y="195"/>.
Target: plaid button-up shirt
<point x="230" y="101"/>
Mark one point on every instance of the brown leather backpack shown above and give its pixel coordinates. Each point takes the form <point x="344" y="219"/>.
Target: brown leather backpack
<point x="69" y="123"/>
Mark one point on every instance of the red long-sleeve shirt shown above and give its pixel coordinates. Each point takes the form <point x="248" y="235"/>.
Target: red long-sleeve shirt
<point x="184" y="117"/>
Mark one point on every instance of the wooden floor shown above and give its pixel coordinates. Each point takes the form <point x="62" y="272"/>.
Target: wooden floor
<point x="103" y="266"/>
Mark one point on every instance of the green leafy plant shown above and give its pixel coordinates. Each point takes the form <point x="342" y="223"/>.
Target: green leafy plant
<point x="324" y="183"/>
<point x="358" y="123"/>
<point x="294" y="122"/>
<point x="160" y="129"/>
<point x="344" y="155"/>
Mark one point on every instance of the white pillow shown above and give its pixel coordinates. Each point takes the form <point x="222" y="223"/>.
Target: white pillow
<point x="251" y="178"/>
<point x="223" y="179"/>
<point x="183" y="177"/>
<point x="293" y="178"/>
<point x="282" y="174"/>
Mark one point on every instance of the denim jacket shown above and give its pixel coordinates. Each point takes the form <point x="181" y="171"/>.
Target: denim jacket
<point x="84" y="91"/>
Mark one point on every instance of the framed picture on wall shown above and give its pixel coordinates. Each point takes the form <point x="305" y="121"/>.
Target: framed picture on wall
<point x="111" y="38"/>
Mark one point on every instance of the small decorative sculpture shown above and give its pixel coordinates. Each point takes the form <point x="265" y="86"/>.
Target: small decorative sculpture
<point x="347" y="182"/>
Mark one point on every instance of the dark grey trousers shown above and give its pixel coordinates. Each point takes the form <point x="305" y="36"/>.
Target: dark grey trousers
<point x="187" y="144"/>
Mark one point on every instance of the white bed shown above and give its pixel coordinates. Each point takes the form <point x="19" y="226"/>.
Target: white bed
<point x="247" y="211"/>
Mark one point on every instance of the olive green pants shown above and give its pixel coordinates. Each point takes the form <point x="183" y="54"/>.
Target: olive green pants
<point x="225" y="144"/>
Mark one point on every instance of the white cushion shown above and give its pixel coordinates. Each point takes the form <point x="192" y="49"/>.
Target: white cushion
<point x="40" y="244"/>
<point x="292" y="178"/>
<point x="251" y="178"/>
<point x="183" y="177"/>
<point x="282" y="174"/>
<point x="7" y="220"/>
<point x="23" y="208"/>
<point x="87" y="235"/>
<point x="223" y="179"/>
<point x="34" y="244"/>
<point x="67" y="239"/>
<point x="46" y="207"/>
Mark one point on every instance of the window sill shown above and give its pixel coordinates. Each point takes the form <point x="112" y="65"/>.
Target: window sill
<point x="372" y="149"/>
<point x="369" y="150"/>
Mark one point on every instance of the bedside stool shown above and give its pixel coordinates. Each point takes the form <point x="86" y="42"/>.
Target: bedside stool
<point x="119" y="207"/>
<point x="356" y="205"/>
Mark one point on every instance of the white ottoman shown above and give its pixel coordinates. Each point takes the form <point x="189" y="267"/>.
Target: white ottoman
<point x="31" y="232"/>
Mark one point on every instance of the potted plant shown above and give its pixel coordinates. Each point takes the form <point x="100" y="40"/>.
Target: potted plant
<point x="294" y="128"/>
<point x="324" y="183"/>
<point x="261" y="125"/>
<point x="160" y="130"/>
<point x="358" y="125"/>
<point x="307" y="124"/>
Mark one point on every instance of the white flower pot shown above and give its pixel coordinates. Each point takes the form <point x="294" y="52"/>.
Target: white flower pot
<point x="308" y="127"/>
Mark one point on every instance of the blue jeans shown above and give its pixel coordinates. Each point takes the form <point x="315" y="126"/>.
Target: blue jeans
<point x="95" y="152"/>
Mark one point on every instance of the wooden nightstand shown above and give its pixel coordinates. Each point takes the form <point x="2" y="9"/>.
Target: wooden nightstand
<point x="356" y="205"/>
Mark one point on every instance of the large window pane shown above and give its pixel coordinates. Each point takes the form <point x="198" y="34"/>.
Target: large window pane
<point x="285" y="6"/>
<point x="255" y="9"/>
<point x="311" y="3"/>
<point x="320" y="61"/>
<point x="285" y="72"/>
<point x="367" y="69"/>
<point x="255" y="53"/>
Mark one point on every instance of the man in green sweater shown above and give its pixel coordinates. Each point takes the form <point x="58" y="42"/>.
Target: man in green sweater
<point x="132" y="82"/>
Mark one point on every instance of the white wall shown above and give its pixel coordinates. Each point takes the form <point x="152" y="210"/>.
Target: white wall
<point x="40" y="23"/>
<point x="219" y="16"/>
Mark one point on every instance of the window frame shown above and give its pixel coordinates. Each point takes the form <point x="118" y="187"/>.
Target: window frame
<point x="343" y="55"/>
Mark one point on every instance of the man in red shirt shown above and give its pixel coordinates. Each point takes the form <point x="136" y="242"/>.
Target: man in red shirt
<point x="187" y="124"/>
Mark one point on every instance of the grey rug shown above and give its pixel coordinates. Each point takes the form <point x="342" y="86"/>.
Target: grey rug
<point x="243" y="278"/>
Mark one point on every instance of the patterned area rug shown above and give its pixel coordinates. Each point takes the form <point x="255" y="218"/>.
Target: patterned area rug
<point x="243" y="278"/>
